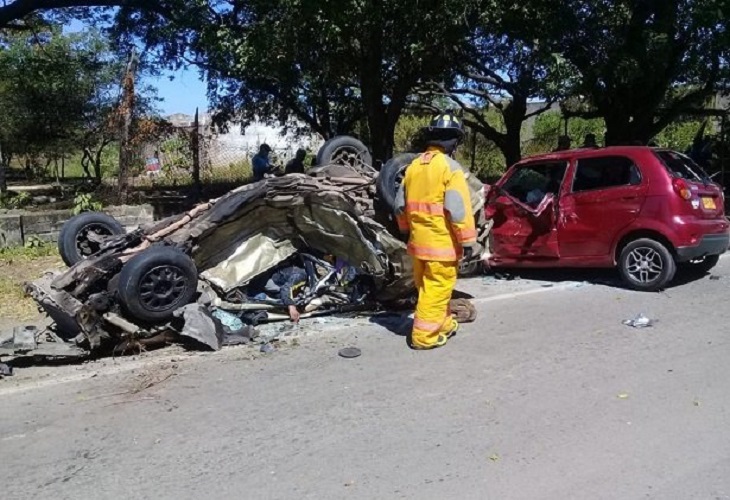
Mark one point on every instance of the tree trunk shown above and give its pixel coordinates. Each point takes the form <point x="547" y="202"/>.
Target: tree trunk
<point x="85" y="160"/>
<point x="514" y="115"/>
<point x="97" y="164"/>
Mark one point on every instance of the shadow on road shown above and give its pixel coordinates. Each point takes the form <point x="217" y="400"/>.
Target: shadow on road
<point x="397" y="323"/>
<point x="607" y="277"/>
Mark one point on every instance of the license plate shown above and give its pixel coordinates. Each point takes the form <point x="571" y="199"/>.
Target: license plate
<point x="708" y="203"/>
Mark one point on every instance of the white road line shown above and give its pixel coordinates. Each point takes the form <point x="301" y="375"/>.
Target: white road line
<point x="514" y="295"/>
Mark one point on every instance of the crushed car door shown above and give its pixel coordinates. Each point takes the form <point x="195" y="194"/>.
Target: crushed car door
<point x="523" y="207"/>
<point x="606" y="195"/>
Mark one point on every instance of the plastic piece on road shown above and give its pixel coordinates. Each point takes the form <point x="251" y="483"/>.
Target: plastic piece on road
<point x="350" y="352"/>
<point x="6" y="370"/>
<point x="640" y="321"/>
<point x="267" y="348"/>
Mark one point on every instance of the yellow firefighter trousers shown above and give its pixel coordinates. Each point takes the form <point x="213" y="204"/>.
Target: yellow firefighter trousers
<point x="435" y="282"/>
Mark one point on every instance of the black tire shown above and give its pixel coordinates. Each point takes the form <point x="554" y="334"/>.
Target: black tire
<point x="346" y="150"/>
<point x="391" y="176"/>
<point x="700" y="266"/>
<point x="73" y="242"/>
<point x="646" y="265"/>
<point x="153" y="284"/>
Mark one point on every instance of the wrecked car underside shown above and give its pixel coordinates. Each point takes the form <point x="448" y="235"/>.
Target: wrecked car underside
<point x="197" y="277"/>
<point x="167" y="280"/>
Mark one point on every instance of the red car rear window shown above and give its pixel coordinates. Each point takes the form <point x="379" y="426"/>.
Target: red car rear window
<point x="682" y="166"/>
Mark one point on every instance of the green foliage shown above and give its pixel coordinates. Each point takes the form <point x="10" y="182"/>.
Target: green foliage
<point x="22" y="254"/>
<point x="551" y="125"/>
<point x="21" y="200"/>
<point x="641" y="63"/>
<point x="679" y="135"/>
<point x="85" y="202"/>
<point x="34" y="242"/>
<point x="487" y="162"/>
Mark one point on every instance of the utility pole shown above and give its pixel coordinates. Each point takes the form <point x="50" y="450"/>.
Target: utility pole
<point x="126" y="111"/>
<point x="3" y="182"/>
<point x="195" y="145"/>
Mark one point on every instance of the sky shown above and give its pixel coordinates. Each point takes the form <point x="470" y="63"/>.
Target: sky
<point x="182" y="91"/>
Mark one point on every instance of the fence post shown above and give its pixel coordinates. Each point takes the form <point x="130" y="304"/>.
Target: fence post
<point x="195" y="145"/>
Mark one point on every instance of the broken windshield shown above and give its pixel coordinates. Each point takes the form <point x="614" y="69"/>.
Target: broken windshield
<point x="682" y="166"/>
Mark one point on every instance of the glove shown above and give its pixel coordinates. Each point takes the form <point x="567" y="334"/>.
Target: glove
<point x="470" y="250"/>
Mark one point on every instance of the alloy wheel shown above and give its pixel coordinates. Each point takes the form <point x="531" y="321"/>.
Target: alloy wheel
<point x="644" y="265"/>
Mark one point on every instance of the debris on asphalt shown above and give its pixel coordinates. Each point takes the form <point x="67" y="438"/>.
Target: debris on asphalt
<point x="494" y="458"/>
<point x="715" y="277"/>
<point x="488" y="280"/>
<point x="640" y="321"/>
<point x="506" y="277"/>
<point x="463" y="310"/>
<point x="623" y="395"/>
<point x="6" y="370"/>
<point x="578" y="284"/>
<point x="696" y="402"/>
<point x="267" y="348"/>
<point x="350" y="352"/>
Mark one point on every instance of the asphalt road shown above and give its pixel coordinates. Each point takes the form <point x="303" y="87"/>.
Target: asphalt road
<point x="547" y="396"/>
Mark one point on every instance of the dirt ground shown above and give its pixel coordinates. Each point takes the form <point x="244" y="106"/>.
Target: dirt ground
<point x="16" y="267"/>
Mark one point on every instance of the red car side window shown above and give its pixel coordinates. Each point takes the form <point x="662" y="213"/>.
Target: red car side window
<point x="605" y="172"/>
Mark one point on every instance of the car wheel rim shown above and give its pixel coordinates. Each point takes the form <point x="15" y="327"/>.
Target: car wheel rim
<point x="644" y="265"/>
<point x="85" y="244"/>
<point x="350" y="157"/>
<point x="162" y="288"/>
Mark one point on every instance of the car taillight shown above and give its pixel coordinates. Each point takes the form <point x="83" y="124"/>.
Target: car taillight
<point x="682" y="188"/>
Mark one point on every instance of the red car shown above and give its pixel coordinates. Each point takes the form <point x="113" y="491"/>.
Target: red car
<point x="644" y="210"/>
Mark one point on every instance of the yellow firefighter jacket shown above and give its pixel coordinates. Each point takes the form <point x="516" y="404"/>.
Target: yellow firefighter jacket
<point x="433" y="205"/>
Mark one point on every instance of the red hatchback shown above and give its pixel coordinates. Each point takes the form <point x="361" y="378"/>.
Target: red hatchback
<point x="646" y="211"/>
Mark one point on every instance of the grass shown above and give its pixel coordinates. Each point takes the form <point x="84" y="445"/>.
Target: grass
<point x="18" y="265"/>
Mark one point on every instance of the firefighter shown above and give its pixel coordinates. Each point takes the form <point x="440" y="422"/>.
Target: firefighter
<point x="433" y="206"/>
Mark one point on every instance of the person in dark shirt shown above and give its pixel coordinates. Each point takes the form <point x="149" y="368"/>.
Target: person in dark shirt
<point x="590" y="142"/>
<point x="296" y="164"/>
<point x="283" y="285"/>
<point x="261" y="163"/>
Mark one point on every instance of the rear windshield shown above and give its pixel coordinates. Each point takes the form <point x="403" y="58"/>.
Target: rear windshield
<point x="682" y="166"/>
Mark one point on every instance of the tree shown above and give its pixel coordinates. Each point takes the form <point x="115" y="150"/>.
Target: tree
<point x="642" y="62"/>
<point x="44" y="93"/>
<point x="329" y="65"/>
<point x="59" y="94"/>
<point x="508" y="62"/>
<point x="15" y="14"/>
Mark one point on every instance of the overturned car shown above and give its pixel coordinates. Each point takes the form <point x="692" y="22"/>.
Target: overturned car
<point x="188" y="274"/>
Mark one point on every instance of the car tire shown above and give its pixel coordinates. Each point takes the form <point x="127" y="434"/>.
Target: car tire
<point x="346" y="150"/>
<point x="646" y="265"/>
<point x="390" y="178"/>
<point x="73" y="242"/>
<point x="153" y="284"/>
<point x="700" y="266"/>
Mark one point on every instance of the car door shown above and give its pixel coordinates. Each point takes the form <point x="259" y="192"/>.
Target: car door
<point x="606" y="195"/>
<point x="523" y="207"/>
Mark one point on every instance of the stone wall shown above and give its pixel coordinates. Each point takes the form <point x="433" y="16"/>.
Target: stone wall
<point x="17" y="227"/>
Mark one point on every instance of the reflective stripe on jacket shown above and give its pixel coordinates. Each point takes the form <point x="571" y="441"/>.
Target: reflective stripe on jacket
<point x="433" y="205"/>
